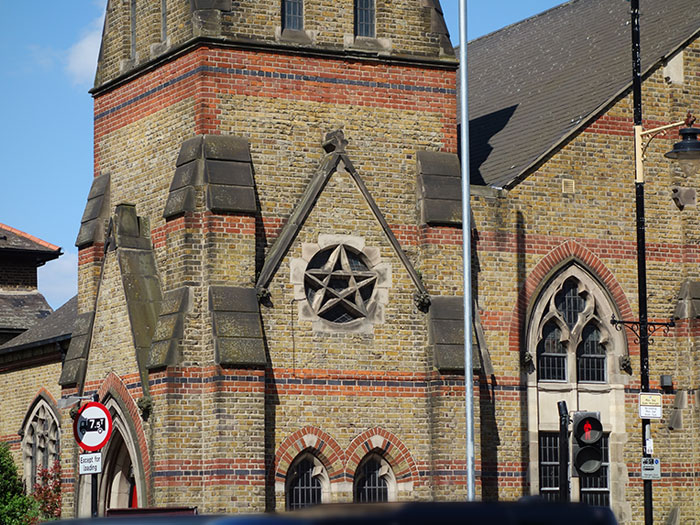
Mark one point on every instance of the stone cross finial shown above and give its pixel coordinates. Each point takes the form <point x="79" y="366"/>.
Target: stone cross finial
<point x="335" y="142"/>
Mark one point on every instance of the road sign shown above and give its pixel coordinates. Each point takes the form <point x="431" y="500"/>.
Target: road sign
<point x="650" y="406"/>
<point x="90" y="463"/>
<point x="92" y="426"/>
<point x="651" y="468"/>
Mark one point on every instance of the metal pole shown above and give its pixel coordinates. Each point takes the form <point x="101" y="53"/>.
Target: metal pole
<point x="466" y="252"/>
<point x="93" y="487"/>
<point x="563" y="452"/>
<point x="641" y="244"/>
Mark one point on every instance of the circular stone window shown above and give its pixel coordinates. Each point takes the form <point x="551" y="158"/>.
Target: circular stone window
<point x="338" y="284"/>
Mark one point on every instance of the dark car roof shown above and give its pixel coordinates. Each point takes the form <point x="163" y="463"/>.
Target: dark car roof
<point x="528" y="513"/>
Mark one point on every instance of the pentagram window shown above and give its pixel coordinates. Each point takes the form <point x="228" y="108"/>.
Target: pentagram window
<point x="338" y="284"/>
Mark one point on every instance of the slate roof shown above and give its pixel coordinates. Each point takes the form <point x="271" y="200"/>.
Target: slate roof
<point x="22" y="310"/>
<point x="56" y="327"/>
<point x="535" y="83"/>
<point x="16" y="241"/>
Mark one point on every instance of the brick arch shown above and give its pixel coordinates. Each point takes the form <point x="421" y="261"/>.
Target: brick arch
<point x="315" y="440"/>
<point x="114" y="387"/>
<point x="568" y="251"/>
<point x="45" y="396"/>
<point x="389" y="446"/>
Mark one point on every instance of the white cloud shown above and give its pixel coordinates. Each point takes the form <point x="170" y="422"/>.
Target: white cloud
<point x="81" y="59"/>
<point x="82" y="56"/>
<point x="58" y="279"/>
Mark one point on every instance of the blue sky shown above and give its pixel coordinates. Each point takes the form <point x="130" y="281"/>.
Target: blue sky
<point x="48" y="52"/>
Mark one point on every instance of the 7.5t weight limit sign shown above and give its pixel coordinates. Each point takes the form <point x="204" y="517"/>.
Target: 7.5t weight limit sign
<point x="92" y="426"/>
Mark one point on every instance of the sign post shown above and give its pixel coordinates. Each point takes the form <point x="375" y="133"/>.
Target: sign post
<point x="92" y="429"/>
<point x="650" y="405"/>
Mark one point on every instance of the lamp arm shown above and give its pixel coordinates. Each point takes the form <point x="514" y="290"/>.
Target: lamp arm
<point x="655" y="132"/>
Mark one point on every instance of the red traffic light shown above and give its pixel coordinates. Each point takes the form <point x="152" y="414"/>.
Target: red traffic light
<point x="588" y="430"/>
<point x="588" y="442"/>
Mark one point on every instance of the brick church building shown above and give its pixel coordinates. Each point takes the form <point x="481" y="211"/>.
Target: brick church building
<point x="270" y="259"/>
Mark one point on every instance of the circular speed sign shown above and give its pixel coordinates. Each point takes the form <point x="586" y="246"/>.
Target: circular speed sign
<point x="92" y="426"/>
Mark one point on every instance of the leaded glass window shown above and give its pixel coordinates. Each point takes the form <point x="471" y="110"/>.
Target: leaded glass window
<point x="40" y="443"/>
<point x="293" y="14"/>
<point x="303" y="483"/>
<point x="371" y="484"/>
<point x="551" y="354"/>
<point x="595" y="488"/>
<point x="549" y="465"/>
<point x="569" y="303"/>
<point x="590" y="357"/>
<point x="364" y="18"/>
<point x="571" y="322"/>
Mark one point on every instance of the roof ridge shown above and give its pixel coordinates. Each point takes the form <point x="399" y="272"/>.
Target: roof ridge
<point x="30" y="237"/>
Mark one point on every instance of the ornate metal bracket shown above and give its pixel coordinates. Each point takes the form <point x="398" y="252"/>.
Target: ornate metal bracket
<point x="634" y="327"/>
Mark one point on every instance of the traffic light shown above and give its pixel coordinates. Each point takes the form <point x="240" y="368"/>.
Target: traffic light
<point x="587" y="443"/>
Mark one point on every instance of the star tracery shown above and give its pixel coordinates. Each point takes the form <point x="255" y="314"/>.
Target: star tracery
<point x="339" y="284"/>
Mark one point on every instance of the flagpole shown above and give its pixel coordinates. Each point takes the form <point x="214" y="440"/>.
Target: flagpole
<point x="466" y="251"/>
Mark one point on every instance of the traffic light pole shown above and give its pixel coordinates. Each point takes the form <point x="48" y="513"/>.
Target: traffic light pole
<point x="563" y="452"/>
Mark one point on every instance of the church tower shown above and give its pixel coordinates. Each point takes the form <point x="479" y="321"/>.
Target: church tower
<point x="270" y="257"/>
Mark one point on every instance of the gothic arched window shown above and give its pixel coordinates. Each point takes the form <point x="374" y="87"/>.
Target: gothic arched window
<point x="307" y="481"/>
<point x="578" y="360"/>
<point x="571" y="320"/>
<point x="40" y="442"/>
<point x="374" y="480"/>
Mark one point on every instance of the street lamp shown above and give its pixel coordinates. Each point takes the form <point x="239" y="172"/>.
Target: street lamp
<point x="688" y="153"/>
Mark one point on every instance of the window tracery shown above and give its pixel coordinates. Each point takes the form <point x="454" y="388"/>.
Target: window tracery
<point x="577" y="359"/>
<point x="40" y="442"/>
<point x="571" y="327"/>
<point x="339" y="284"/>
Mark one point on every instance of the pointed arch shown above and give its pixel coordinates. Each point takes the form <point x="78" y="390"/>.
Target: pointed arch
<point x="390" y="447"/>
<point x="311" y="439"/>
<point x="374" y="480"/>
<point x="40" y="437"/>
<point x="573" y="354"/>
<point x="566" y="253"/>
<point x="121" y="404"/>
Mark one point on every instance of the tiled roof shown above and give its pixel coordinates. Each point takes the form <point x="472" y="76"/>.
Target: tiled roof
<point x="13" y="239"/>
<point x="56" y="327"/>
<point x="20" y="311"/>
<point x="535" y="83"/>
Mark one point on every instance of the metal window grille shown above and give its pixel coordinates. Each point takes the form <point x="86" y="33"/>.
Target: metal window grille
<point x="569" y="302"/>
<point x="364" y="18"/>
<point x="549" y="465"/>
<point x="591" y="356"/>
<point x="595" y="488"/>
<point x="370" y="485"/>
<point x="293" y="14"/>
<point x="303" y="489"/>
<point x="551" y="352"/>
